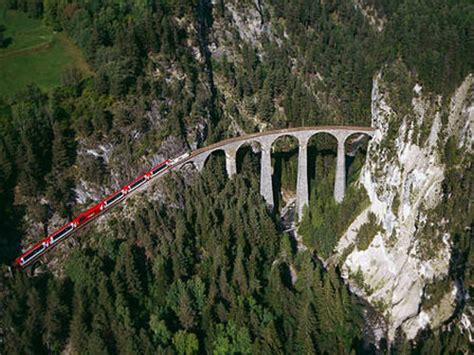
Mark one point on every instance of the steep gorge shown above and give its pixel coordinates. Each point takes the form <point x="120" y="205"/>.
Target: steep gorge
<point x="405" y="268"/>
<point x="175" y="263"/>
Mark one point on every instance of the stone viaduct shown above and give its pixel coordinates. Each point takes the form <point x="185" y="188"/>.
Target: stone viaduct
<point x="266" y="140"/>
<point x="230" y="148"/>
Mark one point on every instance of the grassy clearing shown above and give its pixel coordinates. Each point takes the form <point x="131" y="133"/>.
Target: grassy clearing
<point x="23" y="31"/>
<point x="36" y="54"/>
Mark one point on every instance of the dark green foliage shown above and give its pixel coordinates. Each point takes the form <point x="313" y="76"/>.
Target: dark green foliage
<point x="451" y="154"/>
<point x="367" y="232"/>
<point x="325" y="220"/>
<point x="285" y="167"/>
<point x="33" y="155"/>
<point x="212" y="273"/>
<point x="433" y="38"/>
<point x="3" y="39"/>
<point x="215" y="277"/>
<point x="33" y="8"/>
<point x="336" y="43"/>
<point x="56" y="316"/>
<point x="434" y="292"/>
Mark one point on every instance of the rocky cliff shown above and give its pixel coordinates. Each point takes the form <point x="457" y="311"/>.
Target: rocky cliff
<point x="403" y="266"/>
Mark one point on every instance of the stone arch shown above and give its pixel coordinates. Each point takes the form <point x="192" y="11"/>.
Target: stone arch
<point x="216" y="156"/>
<point x="189" y="166"/>
<point x="252" y="149"/>
<point x="326" y="133"/>
<point x="322" y="155"/>
<point x="355" y="148"/>
<point x="285" y="150"/>
<point x="199" y="160"/>
<point x="361" y="139"/>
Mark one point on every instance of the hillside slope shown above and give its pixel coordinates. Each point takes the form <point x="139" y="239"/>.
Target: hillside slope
<point x="405" y="268"/>
<point x="197" y="263"/>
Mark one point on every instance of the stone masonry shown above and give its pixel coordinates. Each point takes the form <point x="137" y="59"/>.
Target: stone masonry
<point x="266" y="140"/>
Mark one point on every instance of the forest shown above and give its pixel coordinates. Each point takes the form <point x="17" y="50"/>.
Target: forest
<point x="206" y="268"/>
<point x="215" y="276"/>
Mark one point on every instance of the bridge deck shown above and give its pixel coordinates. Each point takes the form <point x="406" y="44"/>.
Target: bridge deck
<point x="252" y="136"/>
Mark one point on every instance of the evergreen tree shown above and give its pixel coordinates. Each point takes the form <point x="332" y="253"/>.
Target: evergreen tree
<point x="185" y="343"/>
<point x="265" y="105"/>
<point x="56" y="318"/>
<point x="3" y="39"/>
<point x="78" y="329"/>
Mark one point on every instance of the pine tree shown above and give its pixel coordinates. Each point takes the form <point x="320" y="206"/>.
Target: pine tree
<point x="56" y="318"/>
<point x="32" y="327"/>
<point x="185" y="343"/>
<point x="266" y="107"/>
<point x="186" y="313"/>
<point x="79" y="328"/>
<point x="303" y="342"/>
<point x="3" y="39"/>
<point x="5" y="168"/>
<point x="239" y="276"/>
<point x="224" y="290"/>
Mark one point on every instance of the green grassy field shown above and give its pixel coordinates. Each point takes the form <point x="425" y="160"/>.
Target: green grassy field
<point x="36" y="54"/>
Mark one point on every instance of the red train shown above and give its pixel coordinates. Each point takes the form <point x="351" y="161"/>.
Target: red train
<point x="62" y="233"/>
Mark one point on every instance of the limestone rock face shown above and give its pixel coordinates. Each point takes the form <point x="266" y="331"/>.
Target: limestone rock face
<point x="403" y="177"/>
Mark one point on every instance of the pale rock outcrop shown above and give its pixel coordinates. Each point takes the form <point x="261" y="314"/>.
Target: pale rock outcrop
<point x="433" y="316"/>
<point x="461" y="115"/>
<point x="403" y="175"/>
<point x="371" y="14"/>
<point x="248" y="21"/>
<point x="84" y="191"/>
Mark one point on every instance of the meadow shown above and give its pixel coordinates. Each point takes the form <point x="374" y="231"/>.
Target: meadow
<point x="36" y="54"/>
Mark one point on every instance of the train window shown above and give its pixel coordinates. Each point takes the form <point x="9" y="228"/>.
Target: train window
<point x="61" y="234"/>
<point x="113" y="199"/>
<point x="35" y="252"/>
<point x="157" y="170"/>
<point x="137" y="183"/>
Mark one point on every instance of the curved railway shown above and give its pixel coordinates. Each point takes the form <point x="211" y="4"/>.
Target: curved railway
<point x="36" y="251"/>
<point x="32" y="254"/>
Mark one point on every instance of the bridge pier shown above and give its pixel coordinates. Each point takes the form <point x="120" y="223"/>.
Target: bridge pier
<point x="231" y="162"/>
<point x="340" y="180"/>
<point x="266" y="186"/>
<point x="302" y="193"/>
<point x="303" y="134"/>
<point x="199" y="161"/>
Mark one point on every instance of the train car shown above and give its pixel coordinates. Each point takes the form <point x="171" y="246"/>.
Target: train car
<point x="88" y="215"/>
<point x="48" y="242"/>
<point x="57" y="236"/>
<point x="61" y="233"/>
<point x="158" y="169"/>
<point x="122" y="193"/>
<point x="32" y="253"/>
<point x="135" y="184"/>
<point x="112" y="200"/>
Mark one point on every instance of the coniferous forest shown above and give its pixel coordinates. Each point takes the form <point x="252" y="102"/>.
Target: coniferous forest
<point x="199" y="264"/>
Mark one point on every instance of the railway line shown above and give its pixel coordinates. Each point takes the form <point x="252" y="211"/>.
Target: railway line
<point x="198" y="158"/>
